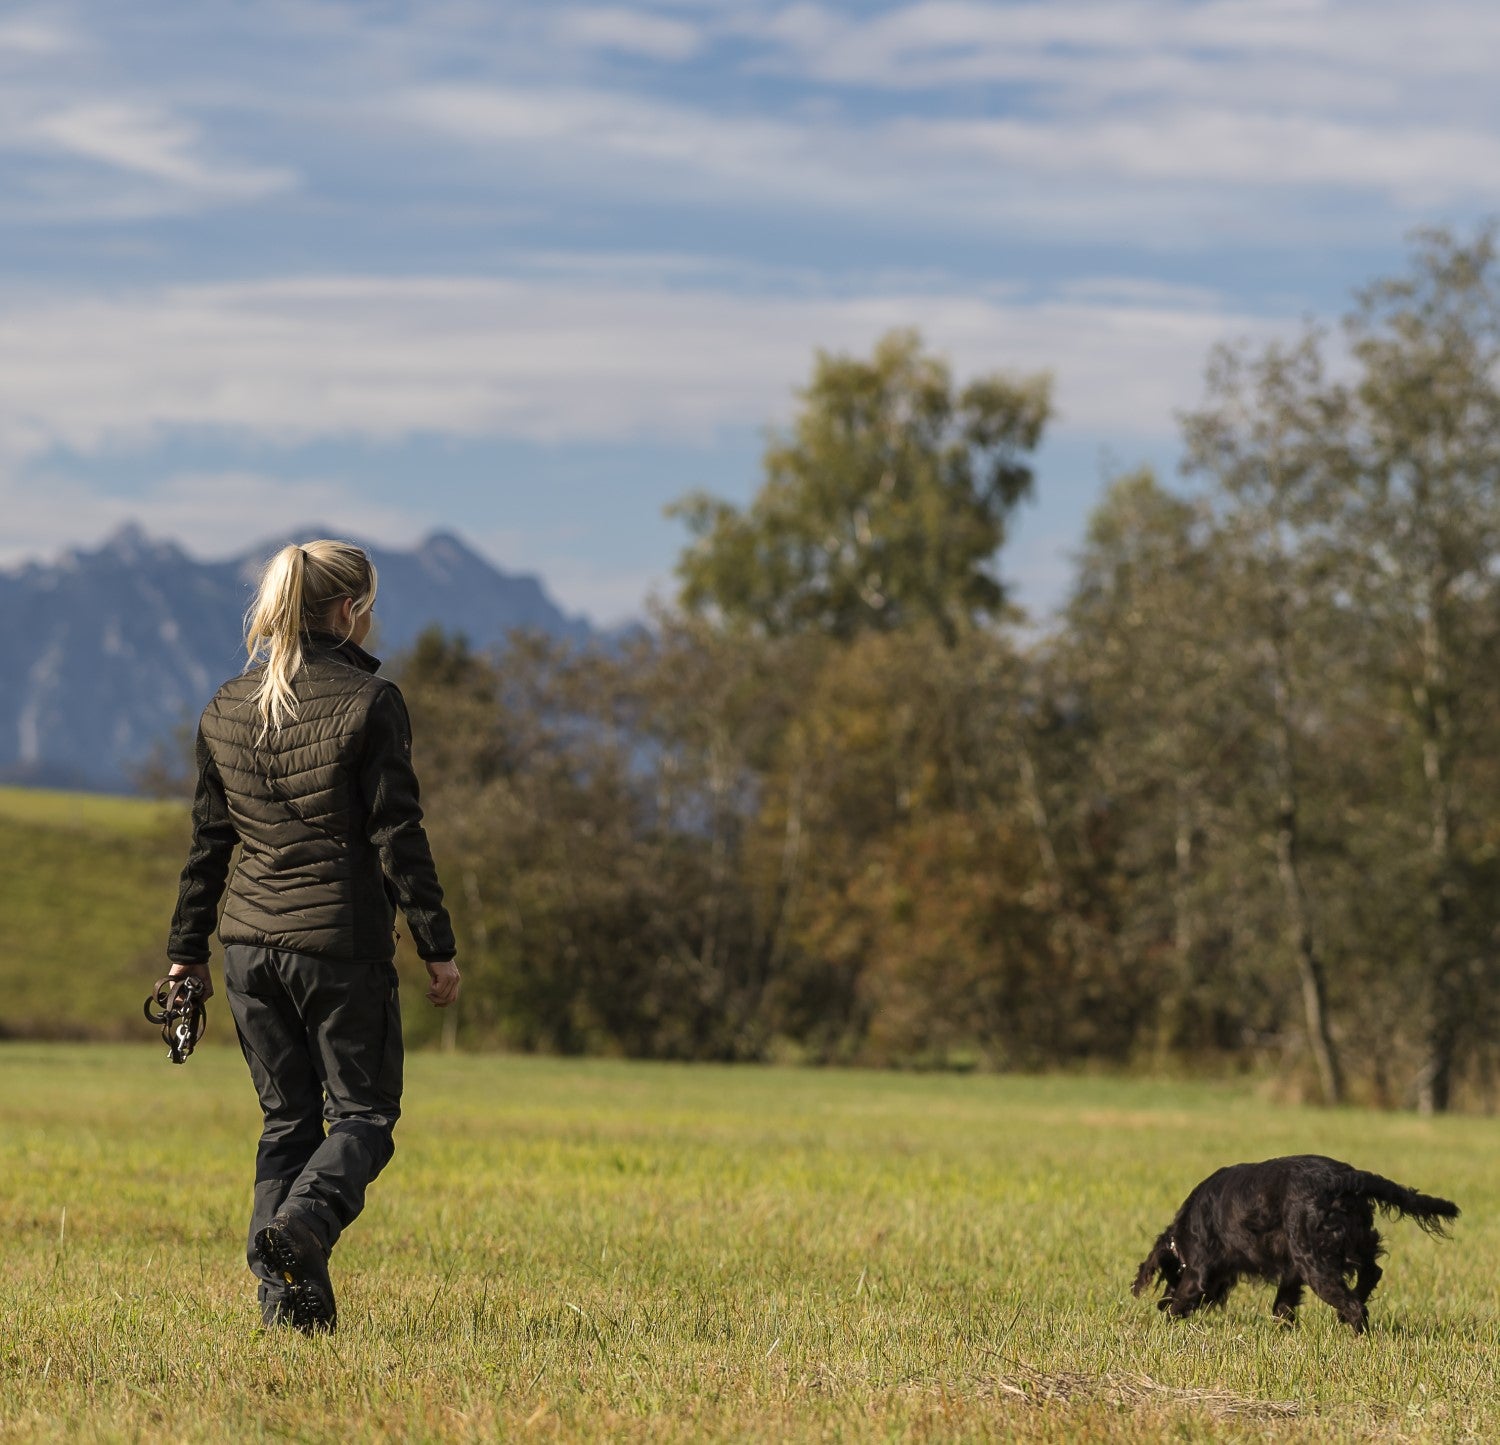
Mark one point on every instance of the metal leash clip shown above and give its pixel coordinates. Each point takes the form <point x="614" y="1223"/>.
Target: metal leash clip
<point x="181" y="1012"/>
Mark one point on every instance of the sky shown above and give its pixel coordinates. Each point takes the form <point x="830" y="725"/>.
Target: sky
<point x="530" y="270"/>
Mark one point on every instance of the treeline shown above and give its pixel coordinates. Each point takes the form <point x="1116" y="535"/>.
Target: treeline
<point x="1236" y="804"/>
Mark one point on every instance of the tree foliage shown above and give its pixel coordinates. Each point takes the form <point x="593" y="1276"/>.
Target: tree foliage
<point x="1235" y="806"/>
<point x="885" y="506"/>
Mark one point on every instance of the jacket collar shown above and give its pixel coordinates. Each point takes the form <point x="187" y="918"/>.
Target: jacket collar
<point x="351" y="652"/>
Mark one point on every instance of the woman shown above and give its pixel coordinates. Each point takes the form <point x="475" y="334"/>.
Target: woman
<point x="304" y="762"/>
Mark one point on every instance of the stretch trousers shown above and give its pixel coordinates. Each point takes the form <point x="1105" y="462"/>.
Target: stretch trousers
<point x="323" y="1042"/>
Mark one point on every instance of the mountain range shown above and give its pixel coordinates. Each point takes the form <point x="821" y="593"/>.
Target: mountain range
<point x="106" y="653"/>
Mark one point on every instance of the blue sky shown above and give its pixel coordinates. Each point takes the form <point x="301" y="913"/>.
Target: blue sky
<point x="531" y="270"/>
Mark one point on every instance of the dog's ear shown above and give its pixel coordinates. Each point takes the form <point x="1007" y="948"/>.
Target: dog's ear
<point x="1161" y="1261"/>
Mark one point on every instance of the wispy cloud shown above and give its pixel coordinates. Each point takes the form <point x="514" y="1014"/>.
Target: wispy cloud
<point x="1425" y="165"/>
<point x="566" y="221"/>
<point x="144" y="141"/>
<point x="86" y="138"/>
<point x="385" y="358"/>
<point x="631" y="32"/>
<point x="34" y="35"/>
<point x="1103" y="42"/>
<point x="1155" y="172"/>
<point x="1320" y="96"/>
<point x="590" y="130"/>
<point x="211" y="514"/>
<point x="1153" y="122"/>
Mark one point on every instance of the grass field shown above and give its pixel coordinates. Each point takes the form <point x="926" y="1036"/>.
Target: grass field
<point x="641" y="1252"/>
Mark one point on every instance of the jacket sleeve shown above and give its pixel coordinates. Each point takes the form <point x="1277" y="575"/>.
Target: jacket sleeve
<point x="202" y="883"/>
<point x="389" y="787"/>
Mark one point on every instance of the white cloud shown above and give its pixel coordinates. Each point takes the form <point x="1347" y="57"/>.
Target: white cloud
<point x="33" y="36"/>
<point x="545" y="360"/>
<point x="1132" y="173"/>
<point x="633" y="32"/>
<point x="1233" y="149"/>
<point x="1141" y="291"/>
<point x="209" y="514"/>
<point x="598" y="130"/>
<point x="91" y="132"/>
<point x="938" y="42"/>
<point x="147" y="142"/>
<point x="1144" y="107"/>
<point x="1157" y="122"/>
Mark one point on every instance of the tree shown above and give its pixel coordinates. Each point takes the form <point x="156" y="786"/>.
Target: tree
<point x="1242" y="798"/>
<point x="1138" y="668"/>
<point x="1418" y="516"/>
<point x="589" y="808"/>
<point x="1266" y="439"/>
<point x="921" y="930"/>
<point x="885" y="505"/>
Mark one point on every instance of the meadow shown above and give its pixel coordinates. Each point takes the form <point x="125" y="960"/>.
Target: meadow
<point x="603" y="1250"/>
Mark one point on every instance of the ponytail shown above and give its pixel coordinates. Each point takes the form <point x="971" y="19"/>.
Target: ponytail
<point x="298" y="588"/>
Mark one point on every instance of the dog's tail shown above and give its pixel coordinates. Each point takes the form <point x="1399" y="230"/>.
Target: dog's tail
<point x="1429" y="1211"/>
<point x="1161" y="1261"/>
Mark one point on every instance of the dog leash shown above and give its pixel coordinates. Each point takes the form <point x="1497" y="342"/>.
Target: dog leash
<point x="182" y="1014"/>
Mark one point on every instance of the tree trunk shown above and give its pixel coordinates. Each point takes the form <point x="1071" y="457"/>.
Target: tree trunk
<point x="789" y="879"/>
<point x="1434" y="1082"/>
<point x="479" y="930"/>
<point x="718" y="867"/>
<point x="1070" y="929"/>
<point x="1305" y="949"/>
<point x="1294" y="891"/>
<point x="1183" y="1015"/>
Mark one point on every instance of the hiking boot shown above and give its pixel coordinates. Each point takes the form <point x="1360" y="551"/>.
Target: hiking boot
<point x="289" y="1247"/>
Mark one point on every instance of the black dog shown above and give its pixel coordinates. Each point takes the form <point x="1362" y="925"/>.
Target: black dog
<point x="1302" y="1220"/>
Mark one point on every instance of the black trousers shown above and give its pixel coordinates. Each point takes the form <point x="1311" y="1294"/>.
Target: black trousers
<point x="323" y="1042"/>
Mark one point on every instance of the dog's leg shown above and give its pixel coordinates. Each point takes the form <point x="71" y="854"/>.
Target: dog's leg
<point x="1216" y="1290"/>
<point x="1331" y="1289"/>
<point x="1288" y="1298"/>
<point x="1321" y="1248"/>
<point x="1186" y="1296"/>
<point x="1366" y="1271"/>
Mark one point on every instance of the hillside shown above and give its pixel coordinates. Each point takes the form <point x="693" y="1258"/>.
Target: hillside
<point x="86" y="898"/>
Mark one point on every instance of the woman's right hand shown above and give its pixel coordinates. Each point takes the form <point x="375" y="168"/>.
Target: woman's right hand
<point x="194" y="970"/>
<point x="445" y="981"/>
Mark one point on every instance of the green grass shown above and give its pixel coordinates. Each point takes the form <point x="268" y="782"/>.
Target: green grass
<point x="643" y="1252"/>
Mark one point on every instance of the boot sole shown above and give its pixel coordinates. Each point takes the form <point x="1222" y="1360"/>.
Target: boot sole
<point x="312" y="1311"/>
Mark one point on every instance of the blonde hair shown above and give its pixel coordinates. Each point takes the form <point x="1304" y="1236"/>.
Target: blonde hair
<point x="298" y="589"/>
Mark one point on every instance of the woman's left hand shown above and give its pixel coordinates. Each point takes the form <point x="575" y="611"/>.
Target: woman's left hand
<point x="444" y="988"/>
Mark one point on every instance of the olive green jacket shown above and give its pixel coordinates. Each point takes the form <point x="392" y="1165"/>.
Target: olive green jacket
<point x="325" y="813"/>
